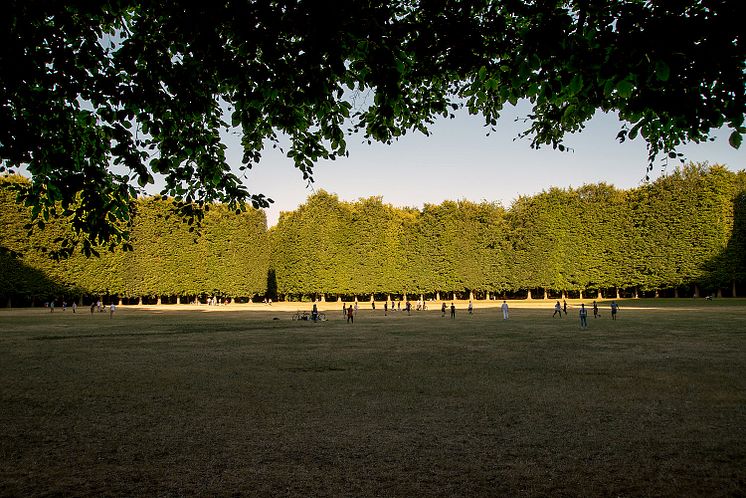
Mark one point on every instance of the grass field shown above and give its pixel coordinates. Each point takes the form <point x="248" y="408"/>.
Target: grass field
<point x="182" y="401"/>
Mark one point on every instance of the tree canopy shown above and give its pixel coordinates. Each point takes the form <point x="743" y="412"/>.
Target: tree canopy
<point x="99" y="99"/>
<point x="683" y="233"/>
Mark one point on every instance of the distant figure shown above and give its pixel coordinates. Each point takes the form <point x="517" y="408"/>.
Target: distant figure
<point x="344" y="310"/>
<point x="64" y="305"/>
<point x="614" y="309"/>
<point x="409" y="308"/>
<point x="453" y="310"/>
<point x="314" y="313"/>
<point x="583" y="317"/>
<point x="373" y="305"/>
<point x="93" y="307"/>
<point x="98" y="306"/>
<point x="350" y="315"/>
<point x="505" y="310"/>
<point x="270" y="301"/>
<point x="385" y="308"/>
<point x="557" y="309"/>
<point x="443" y="310"/>
<point x="471" y="307"/>
<point x="51" y="306"/>
<point x="112" y="309"/>
<point x="595" y="309"/>
<point x="75" y="306"/>
<point x="564" y="306"/>
<point x="355" y="306"/>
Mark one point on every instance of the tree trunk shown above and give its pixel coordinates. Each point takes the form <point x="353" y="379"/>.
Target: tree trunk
<point x="733" y="288"/>
<point x="139" y="300"/>
<point x="405" y="297"/>
<point x="159" y="301"/>
<point x="546" y="294"/>
<point x="528" y="296"/>
<point x="581" y="294"/>
<point x="119" y="300"/>
<point x="676" y="292"/>
<point x="178" y="299"/>
<point x="599" y="295"/>
<point x="323" y="297"/>
<point x="720" y="292"/>
<point x="437" y="296"/>
<point x="10" y="304"/>
<point x="471" y="295"/>
<point x="489" y="297"/>
<point x="696" y="290"/>
<point x="657" y="294"/>
<point x="637" y="296"/>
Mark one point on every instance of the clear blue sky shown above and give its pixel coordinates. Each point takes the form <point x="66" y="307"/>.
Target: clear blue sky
<point x="458" y="161"/>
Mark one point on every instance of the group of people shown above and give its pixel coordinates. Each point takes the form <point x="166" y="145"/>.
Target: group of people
<point x="583" y="312"/>
<point x="95" y="306"/>
<point x="349" y="312"/>
<point x="470" y="309"/>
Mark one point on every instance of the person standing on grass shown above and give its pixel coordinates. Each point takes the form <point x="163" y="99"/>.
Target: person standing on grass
<point x="595" y="309"/>
<point x="583" y="317"/>
<point x="112" y="309"/>
<point x="75" y="306"/>
<point x="471" y="308"/>
<point x="564" y="306"/>
<point x="51" y="306"/>
<point x="350" y="315"/>
<point x="443" y="310"/>
<point x="614" y="309"/>
<point x="504" y="307"/>
<point x="314" y="312"/>
<point x="557" y="309"/>
<point x="453" y="310"/>
<point x="93" y="307"/>
<point x="385" y="308"/>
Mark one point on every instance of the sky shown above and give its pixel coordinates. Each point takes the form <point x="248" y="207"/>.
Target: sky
<point x="458" y="161"/>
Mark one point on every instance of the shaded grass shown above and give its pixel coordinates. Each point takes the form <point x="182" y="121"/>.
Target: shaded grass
<point x="653" y="404"/>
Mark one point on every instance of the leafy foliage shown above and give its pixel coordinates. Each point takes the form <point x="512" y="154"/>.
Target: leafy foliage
<point x="107" y="97"/>
<point x="683" y="230"/>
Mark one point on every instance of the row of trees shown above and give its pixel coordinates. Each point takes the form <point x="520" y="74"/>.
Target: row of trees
<point x="685" y="232"/>
<point x="227" y="256"/>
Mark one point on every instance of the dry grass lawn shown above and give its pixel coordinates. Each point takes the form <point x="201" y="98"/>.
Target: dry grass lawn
<point x="180" y="402"/>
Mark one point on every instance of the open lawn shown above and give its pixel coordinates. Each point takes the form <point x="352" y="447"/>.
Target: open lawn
<point x="181" y="401"/>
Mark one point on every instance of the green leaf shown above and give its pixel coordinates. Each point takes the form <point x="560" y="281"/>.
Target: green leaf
<point x="625" y="88"/>
<point x="662" y="71"/>
<point x="735" y="139"/>
<point x="576" y="84"/>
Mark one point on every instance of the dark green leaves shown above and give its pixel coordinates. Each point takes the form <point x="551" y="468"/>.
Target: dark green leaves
<point x="151" y="87"/>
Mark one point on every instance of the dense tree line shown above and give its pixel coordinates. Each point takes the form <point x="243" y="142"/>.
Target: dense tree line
<point x="226" y="256"/>
<point x="684" y="234"/>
